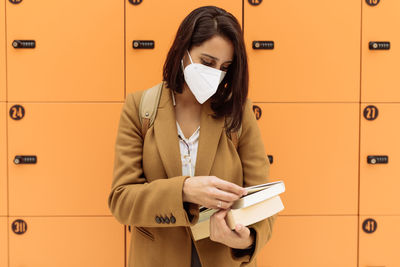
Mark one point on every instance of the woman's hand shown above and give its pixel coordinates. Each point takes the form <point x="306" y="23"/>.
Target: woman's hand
<point x="208" y="191"/>
<point x="220" y="232"/>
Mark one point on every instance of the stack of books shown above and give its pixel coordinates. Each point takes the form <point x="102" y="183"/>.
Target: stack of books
<point x="261" y="202"/>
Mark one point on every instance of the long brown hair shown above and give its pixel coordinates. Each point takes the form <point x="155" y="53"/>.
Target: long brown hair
<point x="199" y="26"/>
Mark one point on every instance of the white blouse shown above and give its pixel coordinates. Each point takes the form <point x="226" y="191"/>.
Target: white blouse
<point x="188" y="148"/>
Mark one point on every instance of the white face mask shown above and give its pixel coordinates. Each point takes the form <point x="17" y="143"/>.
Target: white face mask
<point x="202" y="80"/>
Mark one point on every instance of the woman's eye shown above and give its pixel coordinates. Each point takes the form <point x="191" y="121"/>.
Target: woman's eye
<point x="225" y="68"/>
<point x="206" y="63"/>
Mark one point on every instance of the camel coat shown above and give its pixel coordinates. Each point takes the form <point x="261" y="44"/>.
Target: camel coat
<point x="146" y="190"/>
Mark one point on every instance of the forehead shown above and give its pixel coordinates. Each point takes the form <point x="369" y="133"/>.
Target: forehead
<point x="218" y="47"/>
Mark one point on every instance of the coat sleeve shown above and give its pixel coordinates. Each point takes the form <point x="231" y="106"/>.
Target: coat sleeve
<point x="134" y="201"/>
<point x="255" y="166"/>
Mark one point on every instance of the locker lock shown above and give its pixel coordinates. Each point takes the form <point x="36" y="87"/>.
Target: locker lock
<point x="24" y="43"/>
<point x="377" y="159"/>
<point x="379" y="45"/>
<point x="271" y="159"/>
<point x="143" y="44"/>
<point x="263" y="44"/>
<point x="25" y="159"/>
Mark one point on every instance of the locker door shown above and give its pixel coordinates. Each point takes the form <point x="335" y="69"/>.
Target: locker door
<point x="78" y="54"/>
<point x="311" y="241"/>
<point x="2" y="52"/>
<point x="315" y="152"/>
<point x="380" y="67"/>
<point x="66" y="241"/>
<point x="128" y="236"/>
<point x="153" y="20"/>
<point x="3" y="241"/>
<point x="379" y="241"/>
<point x="316" y="52"/>
<point x="74" y="147"/>
<point x="3" y="161"/>
<point x="379" y="182"/>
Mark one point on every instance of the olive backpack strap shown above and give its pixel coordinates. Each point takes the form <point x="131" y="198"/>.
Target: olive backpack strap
<point x="148" y="106"/>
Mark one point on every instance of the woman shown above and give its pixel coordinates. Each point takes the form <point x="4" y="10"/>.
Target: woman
<point x="187" y="158"/>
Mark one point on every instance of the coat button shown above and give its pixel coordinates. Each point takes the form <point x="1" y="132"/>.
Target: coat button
<point x="158" y="219"/>
<point x="173" y="220"/>
<point x="166" y="219"/>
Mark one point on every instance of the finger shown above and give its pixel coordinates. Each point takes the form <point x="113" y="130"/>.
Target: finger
<point x="220" y="214"/>
<point x="226" y="196"/>
<point x="242" y="230"/>
<point x="224" y="205"/>
<point x="218" y="227"/>
<point x="219" y="221"/>
<point x="230" y="187"/>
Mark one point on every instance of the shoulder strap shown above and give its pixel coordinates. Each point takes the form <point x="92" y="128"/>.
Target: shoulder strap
<point x="148" y="106"/>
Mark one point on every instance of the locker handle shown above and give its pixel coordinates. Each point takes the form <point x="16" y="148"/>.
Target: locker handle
<point x="377" y="159"/>
<point x="271" y="159"/>
<point x="263" y="45"/>
<point x="25" y="160"/>
<point x="374" y="45"/>
<point x="24" y="43"/>
<point x="143" y="44"/>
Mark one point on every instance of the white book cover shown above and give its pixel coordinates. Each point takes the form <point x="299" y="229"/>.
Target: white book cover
<point x="255" y="213"/>
<point x="245" y="216"/>
<point x="259" y="193"/>
<point x="255" y="194"/>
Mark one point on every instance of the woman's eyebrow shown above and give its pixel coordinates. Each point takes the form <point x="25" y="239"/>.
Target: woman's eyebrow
<point x="215" y="58"/>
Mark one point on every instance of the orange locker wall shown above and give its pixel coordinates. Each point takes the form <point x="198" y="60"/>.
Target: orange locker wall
<point x="2" y="51"/>
<point x="380" y="79"/>
<point x="379" y="183"/>
<point x="3" y="241"/>
<point x="67" y="241"/>
<point x="327" y="101"/>
<point x="312" y="241"/>
<point x="78" y="55"/>
<point x="308" y="143"/>
<point x="381" y="247"/>
<point x="144" y="66"/>
<point x="3" y="162"/>
<point x="316" y="56"/>
<point x="3" y="144"/>
<point x="74" y="146"/>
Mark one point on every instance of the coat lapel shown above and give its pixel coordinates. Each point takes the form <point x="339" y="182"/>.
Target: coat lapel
<point x="166" y="136"/>
<point x="210" y="133"/>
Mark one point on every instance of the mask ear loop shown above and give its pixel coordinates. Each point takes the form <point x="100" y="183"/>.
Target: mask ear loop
<point x="183" y="67"/>
<point x="189" y="56"/>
